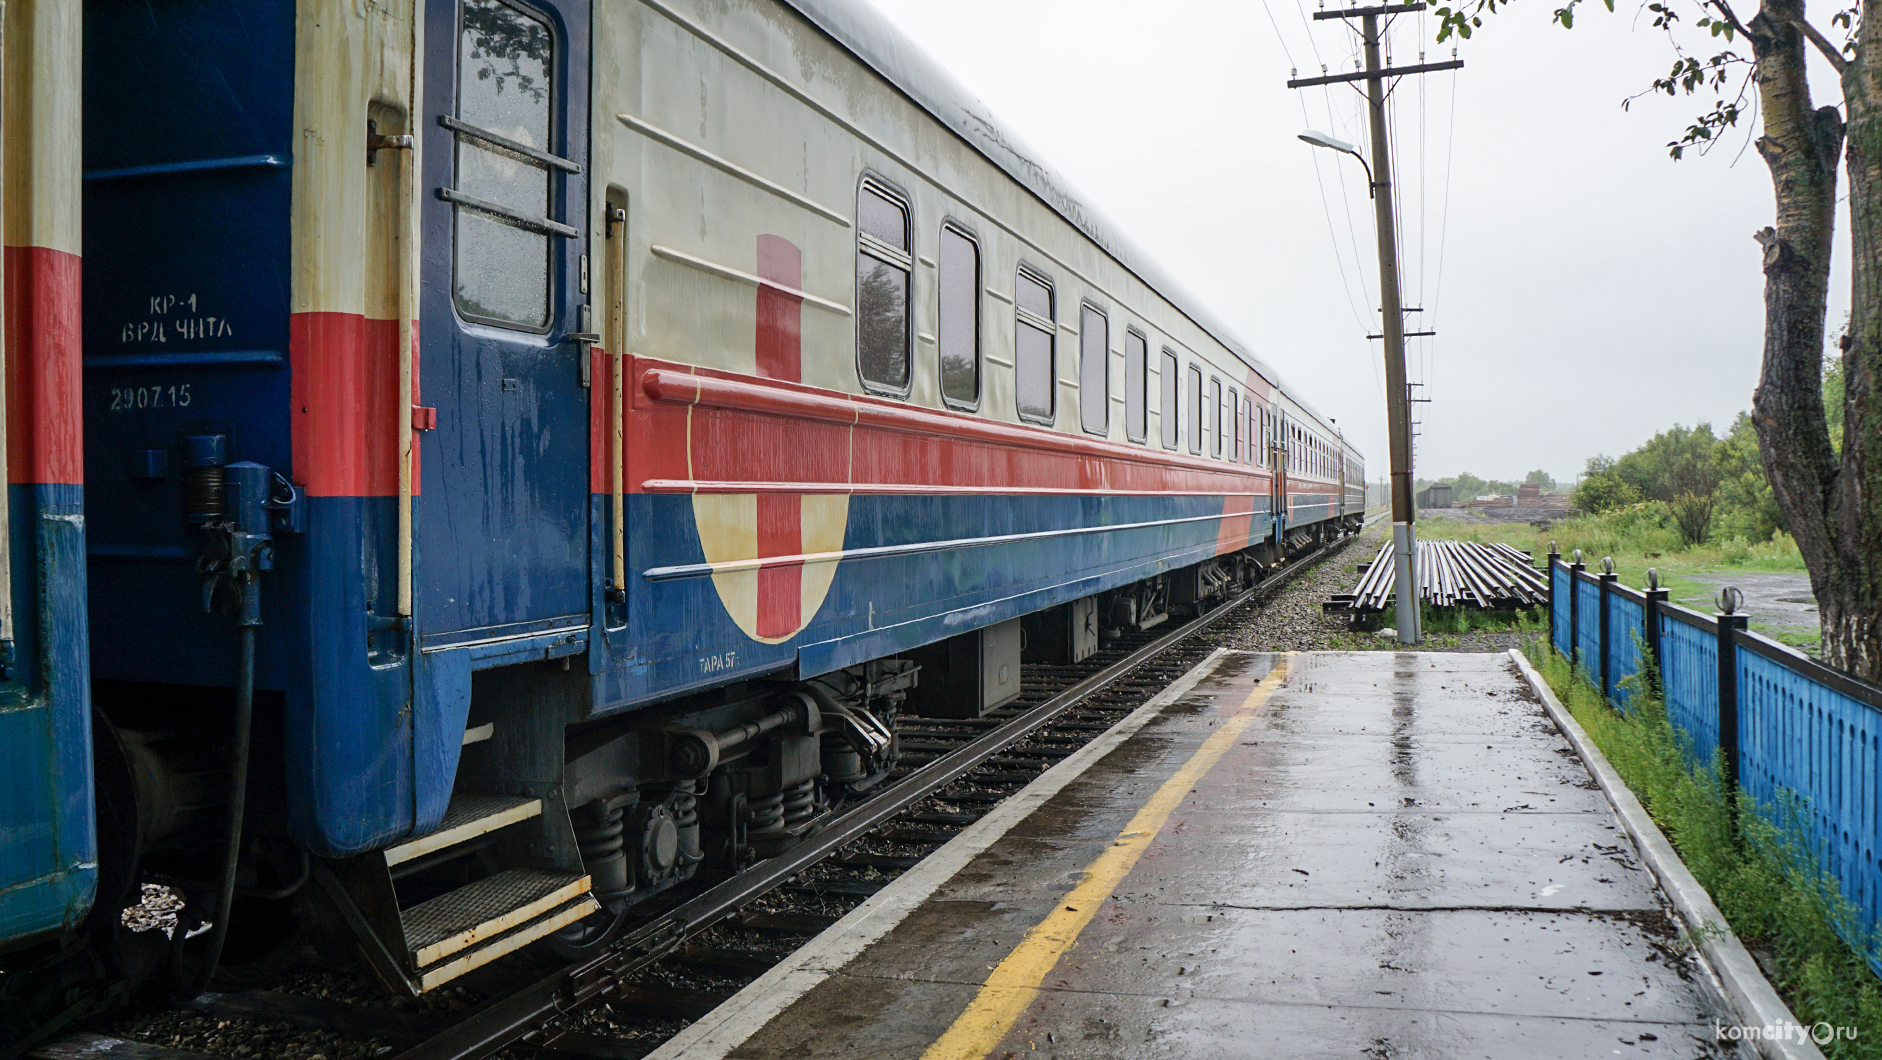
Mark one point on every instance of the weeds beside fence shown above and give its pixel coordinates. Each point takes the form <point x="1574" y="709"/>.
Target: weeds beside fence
<point x="1757" y="864"/>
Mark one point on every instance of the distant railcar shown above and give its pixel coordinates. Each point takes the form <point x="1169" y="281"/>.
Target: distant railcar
<point x="583" y="429"/>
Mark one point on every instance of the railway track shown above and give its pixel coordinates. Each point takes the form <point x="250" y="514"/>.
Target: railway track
<point x="681" y="959"/>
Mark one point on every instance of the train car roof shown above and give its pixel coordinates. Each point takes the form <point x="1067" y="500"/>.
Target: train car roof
<point x="860" y="28"/>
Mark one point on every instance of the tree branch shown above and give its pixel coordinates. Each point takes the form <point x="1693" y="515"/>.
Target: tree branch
<point x="1731" y="17"/>
<point x="1837" y="62"/>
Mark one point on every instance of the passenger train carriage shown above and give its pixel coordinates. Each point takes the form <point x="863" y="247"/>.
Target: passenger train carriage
<point x="603" y="419"/>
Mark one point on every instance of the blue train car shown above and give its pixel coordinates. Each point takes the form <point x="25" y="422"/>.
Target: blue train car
<point x="538" y="448"/>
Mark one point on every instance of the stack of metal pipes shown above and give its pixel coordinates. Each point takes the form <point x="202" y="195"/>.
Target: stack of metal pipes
<point x="1492" y="577"/>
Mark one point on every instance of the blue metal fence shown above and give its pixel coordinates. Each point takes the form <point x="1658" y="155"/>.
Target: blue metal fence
<point x="1588" y="624"/>
<point x="1806" y="734"/>
<point x="1627" y="620"/>
<point x="1689" y="673"/>
<point x="1559" y="582"/>
<point x="1800" y="735"/>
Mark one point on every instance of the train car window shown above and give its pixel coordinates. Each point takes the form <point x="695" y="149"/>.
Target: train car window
<point x="504" y="87"/>
<point x="883" y="265"/>
<point x="1248" y="417"/>
<point x="1094" y="370"/>
<point x="1168" y="382"/>
<point x="1195" y="409"/>
<point x="1036" y="383"/>
<point x="959" y="341"/>
<point x="1215" y="415"/>
<point x="1136" y="386"/>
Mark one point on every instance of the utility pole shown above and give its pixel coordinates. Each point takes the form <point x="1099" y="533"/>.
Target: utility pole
<point x="1397" y="395"/>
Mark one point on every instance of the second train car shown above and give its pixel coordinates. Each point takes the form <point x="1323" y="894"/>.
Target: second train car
<point x="544" y="445"/>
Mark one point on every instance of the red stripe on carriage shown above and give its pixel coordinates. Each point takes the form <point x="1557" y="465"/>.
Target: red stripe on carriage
<point x="45" y="440"/>
<point x="693" y="429"/>
<point x="779" y="346"/>
<point x="780" y="586"/>
<point x="345" y="405"/>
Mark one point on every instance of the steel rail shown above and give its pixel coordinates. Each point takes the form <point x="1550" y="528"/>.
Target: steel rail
<point x="1455" y="573"/>
<point x="512" y="1018"/>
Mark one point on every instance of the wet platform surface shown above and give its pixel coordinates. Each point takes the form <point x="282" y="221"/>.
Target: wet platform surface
<point x="1359" y="855"/>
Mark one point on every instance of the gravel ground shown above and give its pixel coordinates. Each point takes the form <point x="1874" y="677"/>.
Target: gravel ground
<point x="1293" y="620"/>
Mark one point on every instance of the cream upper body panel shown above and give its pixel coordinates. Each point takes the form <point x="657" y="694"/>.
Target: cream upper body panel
<point x="722" y="120"/>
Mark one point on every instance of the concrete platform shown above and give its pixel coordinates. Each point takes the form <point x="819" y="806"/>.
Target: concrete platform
<point x="1331" y="854"/>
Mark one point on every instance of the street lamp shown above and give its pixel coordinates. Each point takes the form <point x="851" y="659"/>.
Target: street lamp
<point x="1397" y="398"/>
<point x="1334" y="143"/>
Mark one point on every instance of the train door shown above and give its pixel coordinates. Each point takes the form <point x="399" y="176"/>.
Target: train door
<point x="501" y="520"/>
<point x="1339" y="457"/>
<point x="1277" y="482"/>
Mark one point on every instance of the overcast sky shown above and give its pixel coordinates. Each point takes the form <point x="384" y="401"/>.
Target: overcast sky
<point x="1592" y="291"/>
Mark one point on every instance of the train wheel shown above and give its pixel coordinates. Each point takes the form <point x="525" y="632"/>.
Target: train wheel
<point x="137" y="956"/>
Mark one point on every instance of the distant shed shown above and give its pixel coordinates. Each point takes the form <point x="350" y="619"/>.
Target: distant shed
<point x="1436" y="495"/>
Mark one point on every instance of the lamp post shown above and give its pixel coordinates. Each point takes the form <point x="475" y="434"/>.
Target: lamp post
<point x="1397" y="398"/>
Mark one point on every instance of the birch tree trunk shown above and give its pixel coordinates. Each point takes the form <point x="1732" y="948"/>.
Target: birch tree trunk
<point x="1834" y="518"/>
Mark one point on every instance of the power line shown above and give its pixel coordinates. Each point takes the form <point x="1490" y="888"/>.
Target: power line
<point x="1326" y="207"/>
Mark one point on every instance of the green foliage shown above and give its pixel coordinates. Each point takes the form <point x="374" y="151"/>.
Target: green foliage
<point x="1759" y="870"/>
<point x="1540" y="478"/>
<point x="1747" y="507"/>
<point x="1604" y="493"/>
<point x="1673" y="463"/>
<point x="1834" y="393"/>
<point x="1702" y="483"/>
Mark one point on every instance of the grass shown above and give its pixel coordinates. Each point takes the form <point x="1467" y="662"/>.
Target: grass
<point x="1638" y="538"/>
<point x="1444" y="627"/>
<point x="1760" y="873"/>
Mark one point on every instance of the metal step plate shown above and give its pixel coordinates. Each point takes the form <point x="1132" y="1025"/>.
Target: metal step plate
<point x="468" y="817"/>
<point x="508" y="942"/>
<point x="483" y="910"/>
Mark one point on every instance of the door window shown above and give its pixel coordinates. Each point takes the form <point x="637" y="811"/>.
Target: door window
<point x="504" y="168"/>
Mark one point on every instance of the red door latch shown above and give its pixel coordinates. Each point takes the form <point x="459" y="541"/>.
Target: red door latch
<point x="424" y="418"/>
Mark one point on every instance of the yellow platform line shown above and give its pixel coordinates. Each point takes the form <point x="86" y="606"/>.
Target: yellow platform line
<point x="1015" y="982"/>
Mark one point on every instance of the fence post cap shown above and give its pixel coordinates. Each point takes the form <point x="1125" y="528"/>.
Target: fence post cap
<point x="1730" y="600"/>
<point x="1607" y="565"/>
<point x="1578" y="557"/>
<point x="1653" y="577"/>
